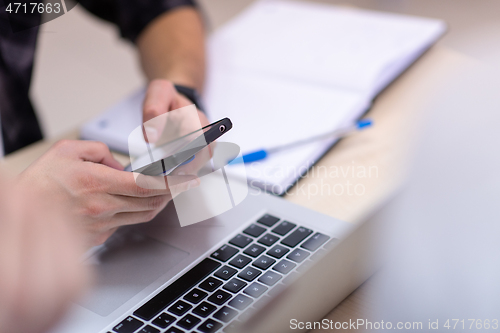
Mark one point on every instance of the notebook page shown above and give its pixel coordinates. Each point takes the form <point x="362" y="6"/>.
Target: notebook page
<point x="115" y="125"/>
<point x="330" y="45"/>
<point x="266" y="112"/>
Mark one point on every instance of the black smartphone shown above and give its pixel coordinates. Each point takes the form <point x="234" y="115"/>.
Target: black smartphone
<point x="163" y="160"/>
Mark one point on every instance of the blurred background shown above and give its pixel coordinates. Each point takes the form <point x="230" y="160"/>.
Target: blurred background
<point x="104" y="68"/>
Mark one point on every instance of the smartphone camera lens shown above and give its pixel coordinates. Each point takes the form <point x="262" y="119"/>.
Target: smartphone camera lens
<point x="222" y="128"/>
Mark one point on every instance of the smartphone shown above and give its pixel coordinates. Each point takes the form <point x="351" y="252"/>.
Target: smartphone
<point x="163" y="160"/>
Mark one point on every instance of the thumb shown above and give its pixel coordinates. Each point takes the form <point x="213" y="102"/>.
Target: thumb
<point x="160" y="98"/>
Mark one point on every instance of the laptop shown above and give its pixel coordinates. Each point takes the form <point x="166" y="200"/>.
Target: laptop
<point x="254" y="268"/>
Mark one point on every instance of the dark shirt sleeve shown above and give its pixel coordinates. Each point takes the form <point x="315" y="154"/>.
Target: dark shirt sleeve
<point x="132" y="16"/>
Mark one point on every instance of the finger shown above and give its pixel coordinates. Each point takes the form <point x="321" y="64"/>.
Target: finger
<point x="203" y="119"/>
<point x="122" y="219"/>
<point x="201" y="158"/>
<point x="160" y="98"/>
<point x="101" y="238"/>
<point x="126" y="204"/>
<point x="126" y="184"/>
<point x="96" y="152"/>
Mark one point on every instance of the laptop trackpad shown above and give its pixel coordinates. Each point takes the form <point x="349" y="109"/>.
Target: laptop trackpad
<point x="126" y="265"/>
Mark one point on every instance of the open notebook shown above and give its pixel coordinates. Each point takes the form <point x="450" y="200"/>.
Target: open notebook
<point x="287" y="70"/>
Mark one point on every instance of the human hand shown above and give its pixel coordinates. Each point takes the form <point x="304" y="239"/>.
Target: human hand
<point x="161" y="97"/>
<point x="39" y="258"/>
<point x="164" y="122"/>
<point x="83" y="177"/>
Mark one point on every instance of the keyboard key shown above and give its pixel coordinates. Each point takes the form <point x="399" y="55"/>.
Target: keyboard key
<point x="298" y="255"/>
<point x="174" y="330"/>
<point x="210" y="326"/>
<point x="291" y="277"/>
<point x="164" y="320"/>
<point x="249" y="274"/>
<point x="255" y="290"/>
<point x="284" y="266"/>
<point x="245" y="316"/>
<point x="254" y="230"/>
<point x="313" y="243"/>
<point x="149" y="329"/>
<point x="204" y="309"/>
<point x="165" y="297"/>
<point x="284" y="227"/>
<point x="188" y="321"/>
<point x="232" y="327"/>
<point x="268" y="220"/>
<point x="254" y="250"/>
<point x="263" y="301"/>
<point x="240" y="261"/>
<point x="224" y="253"/>
<point x="225" y="272"/>
<point x="275" y="291"/>
<point x="296" y="237"/>
<point x="180" y="308"/>
<point x="128" y="325"/>
<point x="225" y="314"/>
<point x="219" y="297"/>
<point x="195" y="296"/>
<point x="240" y="302"/>
<point x="278" y="251"/>
<point x="306" y="265"/>
<point x="234" y="285"/>
<point x="241" y="241"/>
<point x="318" y="254"/>
<point x="331" y="244"/>
<point x="270" y="278"/>
<point x="264" y="262"/>
<point x="268" y="239"/>
<point x="210" y="284"/>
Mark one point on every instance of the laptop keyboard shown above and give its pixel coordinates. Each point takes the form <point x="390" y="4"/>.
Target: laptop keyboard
<point x="212" y="294"/>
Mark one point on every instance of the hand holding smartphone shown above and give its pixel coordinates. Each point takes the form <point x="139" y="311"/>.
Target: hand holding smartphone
<point x="165" y="159"/>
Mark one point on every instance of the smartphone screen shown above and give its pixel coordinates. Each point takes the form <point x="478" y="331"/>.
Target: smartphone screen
<point x="164" y="159"/>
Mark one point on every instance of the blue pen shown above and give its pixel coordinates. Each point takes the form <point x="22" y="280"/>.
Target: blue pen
<point x="263" y="153"/>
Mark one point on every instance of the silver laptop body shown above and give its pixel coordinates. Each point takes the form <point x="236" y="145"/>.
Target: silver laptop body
<point x="135" y="268"/>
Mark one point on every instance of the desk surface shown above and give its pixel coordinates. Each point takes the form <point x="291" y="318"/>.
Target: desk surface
<point x="368" y="166"/>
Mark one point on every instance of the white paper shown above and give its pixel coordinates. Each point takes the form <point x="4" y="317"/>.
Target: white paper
<point x="114" y="126"/>
<point x="270" y="112"/>
<point x="334" y="46"/>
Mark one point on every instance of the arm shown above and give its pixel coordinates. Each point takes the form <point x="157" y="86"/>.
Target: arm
<point x="172" y="47"/>
<point x="172" y="51"/>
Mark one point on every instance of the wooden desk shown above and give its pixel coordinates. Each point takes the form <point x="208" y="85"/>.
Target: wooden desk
<point x="380" y="151"/>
